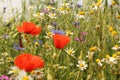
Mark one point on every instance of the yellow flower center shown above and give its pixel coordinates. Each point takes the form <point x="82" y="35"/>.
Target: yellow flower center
<point x="113" y="3"/>
<point x="49" y="34"/>
<point x="49" y="7"/>
<point x="118" y="53"/>
<point x="36" y="43"/>
<point x="107" y="56"/>
<point x="116" y="46"/>
<point x="110" y="28"/>
<point x="70" y="52"/>
<point x="97" y="60"/>
<point x="118" y="16"/>
<point x="25" y="78"/>
<point x="114" y="55"/>
<point x="32" y="72"/>
<point x="81" y="13"/>
<point x="38" y="14"/>
<point x="93" y="48"/>
<point x="91" y="12"/>
<point x="62" y="9"/>
<point x="81" y="65"/>
<point x="114" y="33"/>
<point x="68" y="9"/>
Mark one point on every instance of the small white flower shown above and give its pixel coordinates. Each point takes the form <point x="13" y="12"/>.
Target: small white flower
<point x="70" y="51"/>
<point x="50" y="27"/>
<point x="99" y="62"/>
<point x="116" y="47"/>
<point x="62" y="67"/>
<point x="38" y="15"/>
<point x="14" y="70"/>
<point x="68" y="32"/>
<point x="95" y="8"/>
<point x="111" y="60"/>
<point x="90" y="54"/>
<point x="79" y="16"/>
<point x="38" y="74"/>
<point x="22" y="75"/>
<point x="65" y="4"/>
<point x="48" y="35"/>
<point x="52" y="15"/>
<point x="5" y="54"/>
<point x="82" y="65"/>
<point x="50" y="7"/>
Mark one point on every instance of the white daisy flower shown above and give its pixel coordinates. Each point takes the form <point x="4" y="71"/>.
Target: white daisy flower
<point x="22" y="75"/>
<point x="116" y="47"/>
<point x="38" y="15"/>
<point x="52" y="15"/>
<point x="70" y="51"/>
<point x="82" y="65"/>
<point x="14" y="70"/>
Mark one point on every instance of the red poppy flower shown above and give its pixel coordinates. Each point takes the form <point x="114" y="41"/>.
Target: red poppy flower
<point x="60" y="40"/>
<point x="28" y="62"/>
<point x="29" y="28"/>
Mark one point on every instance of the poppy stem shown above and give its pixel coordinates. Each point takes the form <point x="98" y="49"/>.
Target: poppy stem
<point x="20" y="40"/>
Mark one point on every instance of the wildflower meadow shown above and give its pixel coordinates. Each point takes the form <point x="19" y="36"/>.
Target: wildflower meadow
<point x="60" y="40"/>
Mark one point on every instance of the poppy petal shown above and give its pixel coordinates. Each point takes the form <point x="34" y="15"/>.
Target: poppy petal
<point x="20" y="29"/>
<point x="60" y="40"/>
<point x="22" y="59"/>
<point x="36" y="31"/>
<point x="29" y="66"/>
<point x="37" y="61"/>
<point x="28" y="27"/>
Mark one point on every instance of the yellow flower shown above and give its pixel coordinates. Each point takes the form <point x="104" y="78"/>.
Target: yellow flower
<point x="25" y="78"/>
<point x="107" y="56"/>
<point x="62" y="9"/>
<point x="68" y="9"/>
<point x="36" y="43"/>
<point x="81" y="13"/>
<point x="113" y="3"/>
<point x="93" y="48"/>
<point x="110" y="28"/>
<point x="68" y="32"/>
<point x="91" y="12"/>
<point x="98" y="3"/>
<point x="118" y="53"/>
<point x="118" y="16"/>
<point x="70" y="51"/>
<point x="114" y="55"/>
<point x="97" y="60"/>
<point x="114" y="33"/>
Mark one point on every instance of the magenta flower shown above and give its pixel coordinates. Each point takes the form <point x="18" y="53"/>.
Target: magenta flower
<point x="4" y="77"/>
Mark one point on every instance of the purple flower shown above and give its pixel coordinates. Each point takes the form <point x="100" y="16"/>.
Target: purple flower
<point x="83" y="33"/>
<point x="57" y="32"/>
<point x="45" y="11"/>
<point x="4" y="77"/>
<point x="76" y="39"/>
<point x="76" y="24"/>
<point x="18" y="47"/>
<point x="79" y="5"/>
<point x="81" y="39"/>
<point x="54" y="24"/>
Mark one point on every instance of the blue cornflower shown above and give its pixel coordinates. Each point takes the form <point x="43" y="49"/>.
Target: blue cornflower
<point x="54" y="24"/>
<point x="57" y="32"/>
<point x="18" y="47"/>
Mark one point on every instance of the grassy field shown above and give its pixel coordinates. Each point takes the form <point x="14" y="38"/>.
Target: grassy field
<point x="50" y="40"/>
